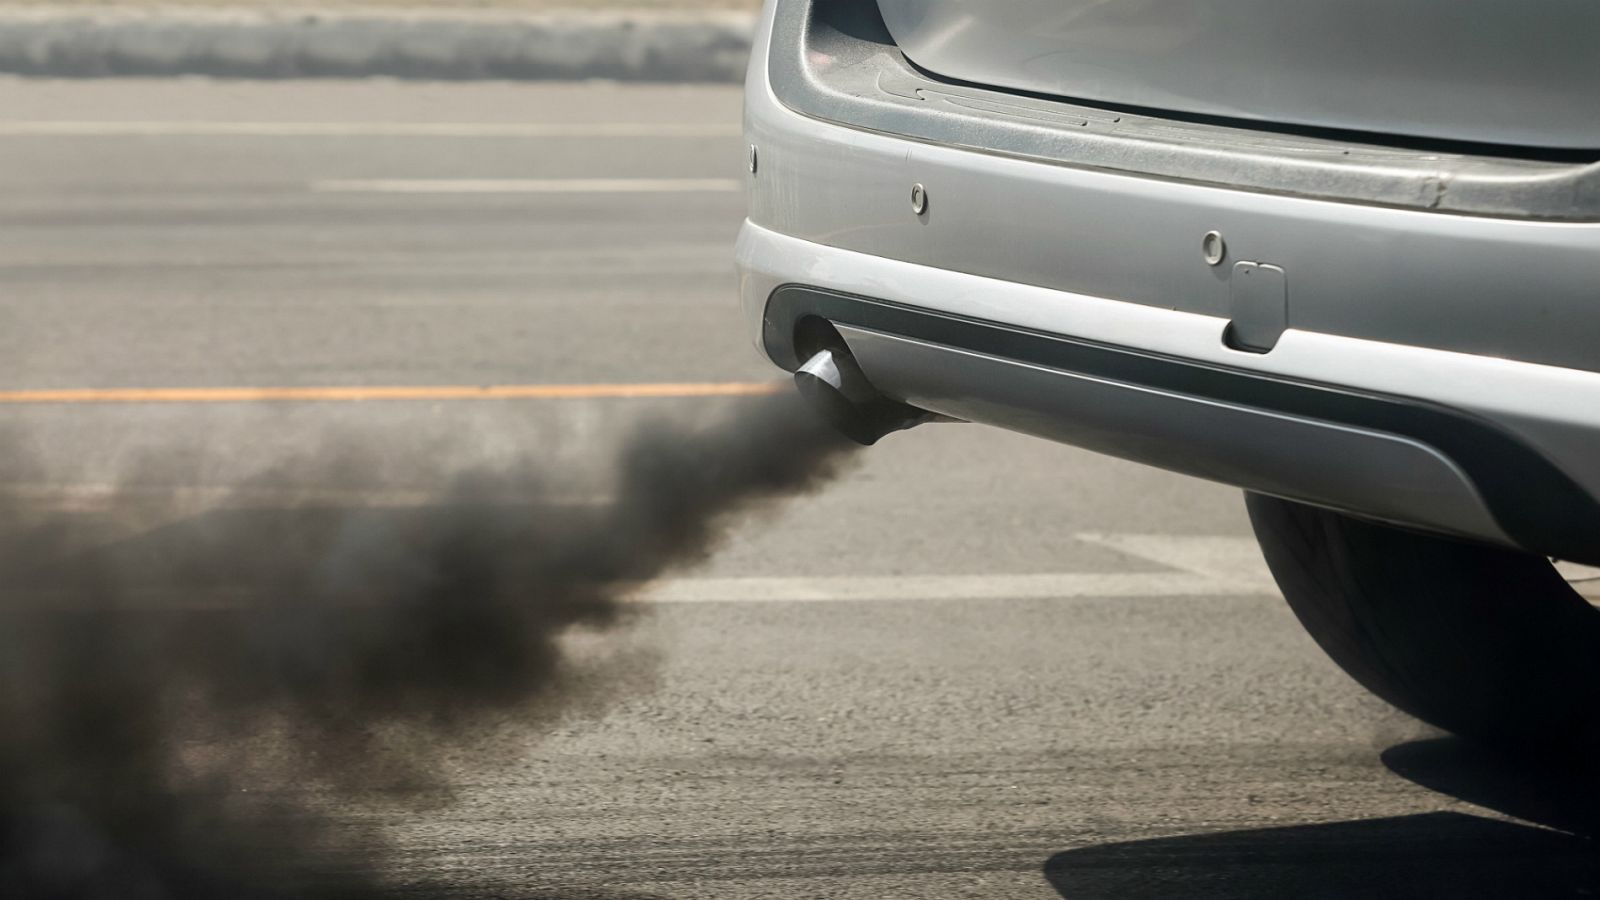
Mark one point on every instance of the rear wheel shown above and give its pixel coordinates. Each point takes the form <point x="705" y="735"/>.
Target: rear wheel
<point x="1488" y="643"/>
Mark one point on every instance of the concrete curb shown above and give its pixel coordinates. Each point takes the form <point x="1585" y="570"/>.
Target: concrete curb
<point x="684" y="47"/>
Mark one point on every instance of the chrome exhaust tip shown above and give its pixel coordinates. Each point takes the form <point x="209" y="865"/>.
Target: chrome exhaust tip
<point x="833" y="384"/>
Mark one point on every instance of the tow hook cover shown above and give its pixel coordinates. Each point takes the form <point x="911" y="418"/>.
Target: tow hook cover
<point x="1258" y="307"/>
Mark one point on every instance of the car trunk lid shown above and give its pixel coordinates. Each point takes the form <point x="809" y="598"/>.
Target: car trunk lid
<point x="1480" y="71"/>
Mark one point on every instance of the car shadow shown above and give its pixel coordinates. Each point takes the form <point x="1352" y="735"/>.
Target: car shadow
<point x="1443" y="854"/>
<point x="1563" y="796"/>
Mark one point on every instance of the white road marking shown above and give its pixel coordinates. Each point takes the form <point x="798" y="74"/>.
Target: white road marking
<point x="845" y="589"/>
<point x="1235" y="559"/>
<point x="1584" y="579"/>
<point x="366" y="129"/>
<point x="1577" y="571"/>
<point x="527" y="185"/>
<point x="824" y="589"/>
<point x="1199" y="566"/>
<point x="1202" y="565"/>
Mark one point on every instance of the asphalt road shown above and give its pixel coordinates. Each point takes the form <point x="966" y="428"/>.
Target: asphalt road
<point x="977" y="665"/>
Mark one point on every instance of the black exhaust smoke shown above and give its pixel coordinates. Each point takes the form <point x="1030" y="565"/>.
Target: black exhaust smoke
<point x="306" y="647"/>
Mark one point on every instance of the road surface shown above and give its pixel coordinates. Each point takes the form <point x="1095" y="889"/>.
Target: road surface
<point x="978" y="665"/>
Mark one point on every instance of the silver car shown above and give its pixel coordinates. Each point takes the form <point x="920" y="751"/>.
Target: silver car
<point x="1343" y="256"/>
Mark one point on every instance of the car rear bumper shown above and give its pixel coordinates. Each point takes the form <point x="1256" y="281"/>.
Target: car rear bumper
<point x="1431" y="369"/>
<point x="1482" y="448"/>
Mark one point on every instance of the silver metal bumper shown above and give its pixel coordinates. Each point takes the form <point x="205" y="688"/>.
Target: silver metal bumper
<point x="1553" y="412"/>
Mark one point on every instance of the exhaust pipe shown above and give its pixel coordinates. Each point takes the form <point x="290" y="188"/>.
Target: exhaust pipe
<point x="834" y="385"/>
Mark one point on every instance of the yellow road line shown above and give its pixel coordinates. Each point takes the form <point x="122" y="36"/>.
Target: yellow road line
<point x="414" y="392"/>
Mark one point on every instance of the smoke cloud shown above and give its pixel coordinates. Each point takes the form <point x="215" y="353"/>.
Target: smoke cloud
<point x="171" y="705"/>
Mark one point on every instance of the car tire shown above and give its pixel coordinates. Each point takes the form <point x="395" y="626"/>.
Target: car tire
<point x="1489" y="643"/>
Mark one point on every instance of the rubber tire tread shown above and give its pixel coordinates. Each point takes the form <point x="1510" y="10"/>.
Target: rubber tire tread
<point x="1488" y="643"/>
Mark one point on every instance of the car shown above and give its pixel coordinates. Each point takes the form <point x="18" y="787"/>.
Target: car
<point x="1344" y="257"/>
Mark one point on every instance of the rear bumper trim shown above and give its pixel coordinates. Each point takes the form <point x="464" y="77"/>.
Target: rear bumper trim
<point x="1533" y="501"/>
